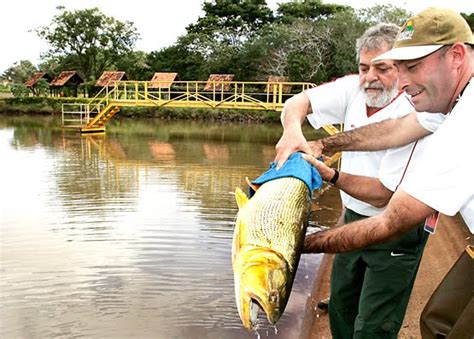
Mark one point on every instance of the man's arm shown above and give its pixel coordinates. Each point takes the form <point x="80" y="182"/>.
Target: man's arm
<point x="402" y="214"/>
<point x="292" y="117"/>
<point x="374" y="137"/>
<point x="367" y="189"/>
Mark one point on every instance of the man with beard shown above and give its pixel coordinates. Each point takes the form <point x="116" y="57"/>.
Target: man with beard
<point x="434" y="53"/>
<point x="370" y="288"/>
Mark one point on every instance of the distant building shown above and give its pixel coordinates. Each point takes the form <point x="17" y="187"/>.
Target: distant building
<point x="162" y="80"/>
<point x="217" y="82"/>
<point x="108" y="78"/>
<point x="33" y="81"/>
<point x="274" y="80"/>
<point x="66" y="84"/>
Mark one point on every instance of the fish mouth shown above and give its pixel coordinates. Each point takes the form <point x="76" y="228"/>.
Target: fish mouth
<point x="253" y="314"/>
<point x="262" y="284"/>
<point x="255" y="305"/>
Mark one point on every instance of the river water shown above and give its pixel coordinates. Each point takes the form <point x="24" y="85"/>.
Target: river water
<point x="129" y="234"/>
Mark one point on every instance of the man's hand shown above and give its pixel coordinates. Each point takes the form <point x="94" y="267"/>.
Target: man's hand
<point x="326" y="172"/>
<point x="290" y="142"/>
<point x="316" y="148"/>
<point x="292" y="117"/>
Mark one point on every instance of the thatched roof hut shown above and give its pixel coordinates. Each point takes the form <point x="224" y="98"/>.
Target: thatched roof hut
<point x="66" y="84"/>
<point x="66" y="78"/>
<point x="30" y="83"/>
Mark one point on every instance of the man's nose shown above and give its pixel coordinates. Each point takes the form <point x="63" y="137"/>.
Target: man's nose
<point x="402" y="80"/>
<point x="371" y="75"/>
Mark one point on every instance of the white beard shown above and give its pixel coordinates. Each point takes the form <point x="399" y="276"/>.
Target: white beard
<point x="382" y="99"/>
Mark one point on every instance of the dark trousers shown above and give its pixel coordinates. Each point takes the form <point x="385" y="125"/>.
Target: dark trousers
<point x="370" y="288"/>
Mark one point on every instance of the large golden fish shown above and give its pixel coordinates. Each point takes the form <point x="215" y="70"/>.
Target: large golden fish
<point x="268" y="240"/>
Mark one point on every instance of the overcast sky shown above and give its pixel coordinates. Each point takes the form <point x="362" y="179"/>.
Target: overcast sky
<point x="159" y="22"/>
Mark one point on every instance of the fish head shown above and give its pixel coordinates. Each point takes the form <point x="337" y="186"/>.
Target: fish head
<point x="264" y="284"/>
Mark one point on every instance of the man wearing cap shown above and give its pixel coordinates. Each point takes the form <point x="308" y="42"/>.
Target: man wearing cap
<point x="439" y="81"/>
<point x="435" y="57"/>
<point x="370" y="288"/>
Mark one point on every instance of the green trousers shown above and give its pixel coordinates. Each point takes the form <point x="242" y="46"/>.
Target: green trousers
<point x="370" y="288"/>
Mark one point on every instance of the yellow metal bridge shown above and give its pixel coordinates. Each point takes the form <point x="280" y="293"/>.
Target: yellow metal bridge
<point x="92" y="117"/>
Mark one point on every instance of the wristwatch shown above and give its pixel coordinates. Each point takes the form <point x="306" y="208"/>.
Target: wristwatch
<point x="334" y="177"/>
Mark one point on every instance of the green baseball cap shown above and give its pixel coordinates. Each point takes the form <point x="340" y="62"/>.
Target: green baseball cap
<point x="427" y="32"/>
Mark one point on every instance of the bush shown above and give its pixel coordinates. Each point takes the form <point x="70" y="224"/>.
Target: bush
<point x="5" y="89"/>
<point x="41" y="88"/>
<point x="20" y="91"/>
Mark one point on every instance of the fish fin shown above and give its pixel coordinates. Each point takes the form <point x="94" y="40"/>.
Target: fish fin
<point x="252" y="186"/>
<point x="240" y="197"/>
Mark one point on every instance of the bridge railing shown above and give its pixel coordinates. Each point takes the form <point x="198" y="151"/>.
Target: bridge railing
<point x="79" y="114"/>
<point x="227" y="94"/>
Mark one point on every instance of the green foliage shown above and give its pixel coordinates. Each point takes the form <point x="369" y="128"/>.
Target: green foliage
<point x="31" y="104"/>
<point x="293" y="50"/>
<point x="217" y="40"/>
<point x="383" y="13"/>
<point x="136" y="65"/>
<point x="54" y="65"/>
<point x="41" y="88"/>
<point x="312" y="10"/>
<point x="19" y="72"/>
<point x="232" y="21"/>
<point x="470" y="19"/>
<point x="344" y="28"/>
<point x="87" y="40"/>
<point x="5" y="89"/>
<point x="20" y="90"/>
<point x="313" y="51"/>
<point x="306" y="40"/>
<point x="178" y="58"/>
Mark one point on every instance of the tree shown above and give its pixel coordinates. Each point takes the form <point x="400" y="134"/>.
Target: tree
<point x="295" y="50"/>
<point x="345" y="28"/>
<point x="383" y="13"/>
<point x="19" y="90"/>
<point x="20" y="72"/>
<point x="312" y="10"/>
<point x="189" y="64"/>
<point x="90" y="40"/>
<point x="470" y="19"/>
<point x="135" y="65"/>
<point x="232" y="21"/>
<point x="41" y="88"/>
<point x="218" y="37"/>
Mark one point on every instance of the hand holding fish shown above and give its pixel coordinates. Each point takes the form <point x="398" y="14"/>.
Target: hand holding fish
<point x="326" y="172"/>
<point x="291" y="141"/>
<point x="316" y="148"/>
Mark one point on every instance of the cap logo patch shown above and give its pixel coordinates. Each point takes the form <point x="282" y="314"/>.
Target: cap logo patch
<point x="407" y="32"/>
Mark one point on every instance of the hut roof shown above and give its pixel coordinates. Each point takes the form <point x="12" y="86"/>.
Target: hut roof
<point x="276" y="79"/>
<point x="215" y="81"/>
<point x="166" y="80"/>
<point x="64" y="77"/>
<point x="34" y="79"/>
<point x="109" y="77"/>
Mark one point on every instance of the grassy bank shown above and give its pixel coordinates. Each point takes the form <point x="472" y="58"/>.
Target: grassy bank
<point x="52" y="106"/>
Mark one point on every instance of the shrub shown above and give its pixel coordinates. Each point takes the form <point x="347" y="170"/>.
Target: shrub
<point x="20" y="91"/>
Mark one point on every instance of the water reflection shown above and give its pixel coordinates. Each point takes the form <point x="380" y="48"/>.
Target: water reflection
<point x="128" y="234"/>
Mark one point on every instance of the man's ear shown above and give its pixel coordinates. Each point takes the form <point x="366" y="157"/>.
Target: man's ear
<point x="458" y="53"/>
